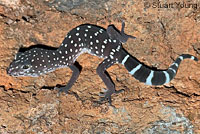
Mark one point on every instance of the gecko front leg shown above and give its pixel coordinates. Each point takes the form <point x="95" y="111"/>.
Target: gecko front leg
<point x="75" y="73"/>
<point x="101" y="71"/>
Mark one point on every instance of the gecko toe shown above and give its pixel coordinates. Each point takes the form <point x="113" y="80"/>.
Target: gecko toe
<point x="119" y="91"/>
<point x="105" y="95"/>
<point x="62" y="89"/>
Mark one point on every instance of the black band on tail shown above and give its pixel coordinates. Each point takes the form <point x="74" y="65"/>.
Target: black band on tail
<point x="149" y="76"/>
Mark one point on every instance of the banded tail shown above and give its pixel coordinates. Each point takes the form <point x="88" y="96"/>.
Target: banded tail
<point x="152" y="77"/>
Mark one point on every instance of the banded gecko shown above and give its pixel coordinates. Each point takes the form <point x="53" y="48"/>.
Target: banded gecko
<point x="95" y="40"/>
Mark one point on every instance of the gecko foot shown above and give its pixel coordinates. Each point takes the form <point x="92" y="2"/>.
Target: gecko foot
<point x="106" y="95"/>
<point x="62" y="89"/>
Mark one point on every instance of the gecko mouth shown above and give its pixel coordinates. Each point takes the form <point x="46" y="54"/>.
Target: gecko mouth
<point x="13" y="72"/>
<point x="10" y="72"/>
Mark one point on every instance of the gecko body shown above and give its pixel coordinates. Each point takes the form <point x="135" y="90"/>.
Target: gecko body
<point x="104" y="43"/>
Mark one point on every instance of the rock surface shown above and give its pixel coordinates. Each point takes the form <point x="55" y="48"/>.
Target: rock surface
<point x="29" y="105"/>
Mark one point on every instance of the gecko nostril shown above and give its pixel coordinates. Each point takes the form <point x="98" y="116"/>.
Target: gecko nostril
<point x="8" y="71"/>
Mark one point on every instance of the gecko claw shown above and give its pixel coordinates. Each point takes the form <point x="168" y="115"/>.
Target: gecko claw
<point x="62" y="89"/>
<point x="106" y="95"/>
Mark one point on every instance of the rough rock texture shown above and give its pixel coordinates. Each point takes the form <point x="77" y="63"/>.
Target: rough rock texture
<point x="29" y="105"/>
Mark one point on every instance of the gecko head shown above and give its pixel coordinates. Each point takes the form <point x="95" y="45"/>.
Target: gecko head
<point x="27" y="64"/>
<point x="21" y="65"/>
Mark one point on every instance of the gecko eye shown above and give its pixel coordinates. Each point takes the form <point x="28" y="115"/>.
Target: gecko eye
<point x="26" y="67"/>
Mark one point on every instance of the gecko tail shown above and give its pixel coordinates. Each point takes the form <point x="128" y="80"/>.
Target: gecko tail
<point x="150" y="76"/>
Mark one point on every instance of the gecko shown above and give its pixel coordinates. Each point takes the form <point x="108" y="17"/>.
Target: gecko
<point x="104" y="43"/>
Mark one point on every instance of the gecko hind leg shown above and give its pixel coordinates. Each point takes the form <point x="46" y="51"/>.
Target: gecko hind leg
<point x="76" y="69"/>
<point x="116" y="34"/>
<point x="101" y="71"/>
